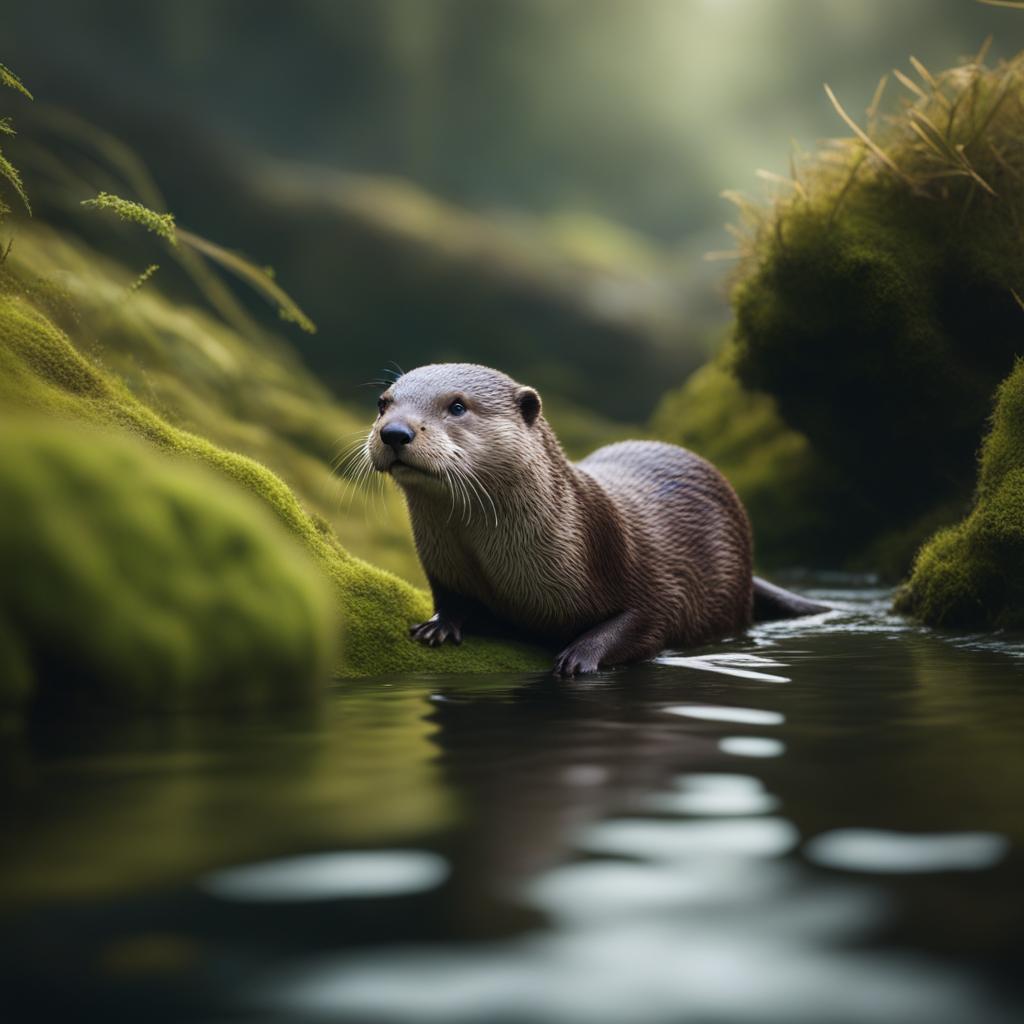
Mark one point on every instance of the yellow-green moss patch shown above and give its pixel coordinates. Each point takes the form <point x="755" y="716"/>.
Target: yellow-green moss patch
<point x="973" y="574"/>
<point x="135" y="581"/>
<point x="245" y="392"/>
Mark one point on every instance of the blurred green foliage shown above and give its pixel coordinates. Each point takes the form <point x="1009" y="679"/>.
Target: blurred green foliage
<point x="639" y="111"/>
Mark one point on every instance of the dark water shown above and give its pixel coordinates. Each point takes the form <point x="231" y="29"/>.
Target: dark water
<point x="820" y="822"/>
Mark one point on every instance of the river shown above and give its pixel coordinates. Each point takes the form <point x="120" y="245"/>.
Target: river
<point x="821" y="821"/>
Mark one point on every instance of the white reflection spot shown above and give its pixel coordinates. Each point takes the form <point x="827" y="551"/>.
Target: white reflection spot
<point x="323" y="876"/>
<point x="709" y="793"/>
<point x="651" y="839"/>
<point x="715" y="713"/>
<point x="879" y="851"/>
<point x="709" y="663"/>
<point x="751" y="746"/>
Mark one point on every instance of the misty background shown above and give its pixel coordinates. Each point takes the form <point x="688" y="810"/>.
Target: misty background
<point x="531" y="183"/>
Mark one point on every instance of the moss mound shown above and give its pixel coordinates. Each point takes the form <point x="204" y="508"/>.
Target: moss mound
<point x="878" y="299"/>
<point x="40" y="370"/>
<point x="141" y="583"/>
<point x="973" y="574"/>
<point x="243" y="390"/>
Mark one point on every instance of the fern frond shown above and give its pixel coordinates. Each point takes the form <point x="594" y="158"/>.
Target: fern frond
<point x="143" y="278"/>
<point x="12" y="81"/>
<point x="6" y="126"/>
<point x="258" y="279"/>
<point x="10" y="172"/>
<point x="161" y="224"/>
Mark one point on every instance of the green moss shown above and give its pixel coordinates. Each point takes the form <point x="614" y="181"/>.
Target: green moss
<point x="973" y="574"/>
<point x="41" y="370"/>
<point x="246" y="393"/>
<point x="141" y="583"/>
<point x="877" y="300"/>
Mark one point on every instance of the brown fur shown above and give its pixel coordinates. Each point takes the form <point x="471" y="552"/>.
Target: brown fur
<point x="639" y="547"/>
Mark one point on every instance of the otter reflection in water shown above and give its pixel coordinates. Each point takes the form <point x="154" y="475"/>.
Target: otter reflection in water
<point x="641" y="546"/>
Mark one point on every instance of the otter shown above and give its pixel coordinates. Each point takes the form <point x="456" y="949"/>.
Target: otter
<point x="640" y="546"/>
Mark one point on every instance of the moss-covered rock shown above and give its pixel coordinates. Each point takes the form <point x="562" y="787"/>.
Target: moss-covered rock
<point x="138" y="582"/>
<point x="881" y="334"/>
<point x="973" y="574"/>
<point x="244" y="391"/>
<point x="878" y="298"/>
<point x="40" y="370"/>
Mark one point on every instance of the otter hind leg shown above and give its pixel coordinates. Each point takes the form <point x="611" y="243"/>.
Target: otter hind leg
<point x="620" y="639"/>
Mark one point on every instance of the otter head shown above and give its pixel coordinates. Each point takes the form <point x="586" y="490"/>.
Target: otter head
<point x="449" y="425"/>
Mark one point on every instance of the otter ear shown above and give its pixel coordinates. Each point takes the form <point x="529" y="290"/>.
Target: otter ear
<point x="529" y="404"/>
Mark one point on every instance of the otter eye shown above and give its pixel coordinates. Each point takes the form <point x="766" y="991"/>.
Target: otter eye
<point x="457" y="408"/>
<point x="382" y="404"/>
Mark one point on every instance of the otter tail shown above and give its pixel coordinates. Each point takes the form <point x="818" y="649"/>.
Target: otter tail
<point x="772" y="602"/>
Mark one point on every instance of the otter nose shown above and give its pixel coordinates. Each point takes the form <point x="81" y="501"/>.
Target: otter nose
<point x="397" y="434"/>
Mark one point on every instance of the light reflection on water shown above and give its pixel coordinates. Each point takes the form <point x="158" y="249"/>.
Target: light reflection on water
<point x="713" y="713"/>
<point x="751" y="746"/>
<point x="817" y="822"/>
<point x="713" y="794"/>
<point x="329" y="876"/>
<point x="876" y="850"/>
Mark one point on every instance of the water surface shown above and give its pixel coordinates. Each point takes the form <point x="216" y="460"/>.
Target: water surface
<point x="820" y="821"/>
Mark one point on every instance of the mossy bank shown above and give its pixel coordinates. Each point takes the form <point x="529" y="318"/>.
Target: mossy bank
<point x="972" y="574"/>
<point x="877" y="308"/>
<point x="41" y="372"/>
<point x="140" y="582"/>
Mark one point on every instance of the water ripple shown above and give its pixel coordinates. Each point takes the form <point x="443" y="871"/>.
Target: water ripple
<point x="324" y="876"/>
<point x="878" y="851"/>
<point x="716" y="713"/>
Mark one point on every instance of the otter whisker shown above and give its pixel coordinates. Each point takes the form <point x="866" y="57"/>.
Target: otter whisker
<point x="456" y="491"/>
<point x="382" y="493"/>
<point x="470" y="492"/>
<point x="466" y="499"/>
<point x="446" y="476"/>
<point x="346" y="459"/>
<point x="354" y="469"/>
<point x="352" y="442"/>
<point x="473" y="478"/>
<point x="460" y="489"/>
<point x="470" y="489"/>
<point x="361" y="474"/>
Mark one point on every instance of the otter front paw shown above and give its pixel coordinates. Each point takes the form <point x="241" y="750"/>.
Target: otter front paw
<point x="436" y="630"/>
<point x="577" y="659"/>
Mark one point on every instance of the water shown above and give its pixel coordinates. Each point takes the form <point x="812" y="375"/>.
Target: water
<point x="822" y="821"/>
